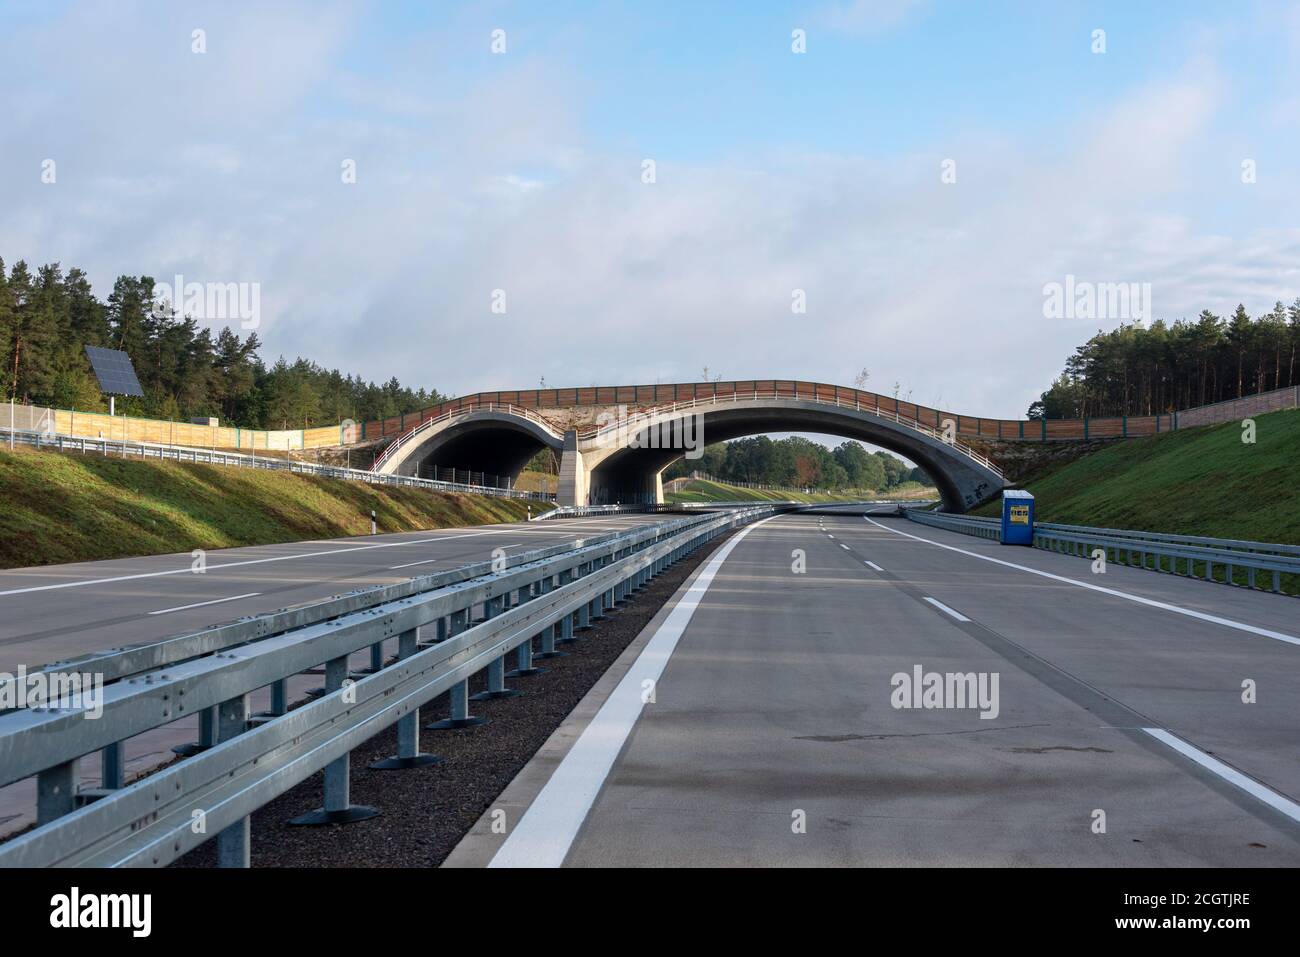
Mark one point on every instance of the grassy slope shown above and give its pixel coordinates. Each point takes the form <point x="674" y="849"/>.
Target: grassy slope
<point x="58" y="508"/>
<point x="1202" y="481"/>
<point x="700" y="490"/>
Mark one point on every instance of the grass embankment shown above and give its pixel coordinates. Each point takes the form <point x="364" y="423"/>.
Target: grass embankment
<point x="1202" y="481"/>
<point x="57" y="508"/>
<point x="703" y="490"/>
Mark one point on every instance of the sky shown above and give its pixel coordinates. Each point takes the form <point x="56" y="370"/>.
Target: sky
<point x="919" y="175"/>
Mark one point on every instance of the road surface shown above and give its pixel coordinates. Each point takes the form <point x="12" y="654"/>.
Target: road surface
<point x="1120" y="737"/>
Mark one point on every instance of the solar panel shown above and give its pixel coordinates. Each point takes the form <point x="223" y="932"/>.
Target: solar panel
<point x="114" y="371"/>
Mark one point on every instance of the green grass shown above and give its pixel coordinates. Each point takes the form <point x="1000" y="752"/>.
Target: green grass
<point x="1202" y="481"/>
<point x="702" y="490"/>
<point x="69" y="508"/>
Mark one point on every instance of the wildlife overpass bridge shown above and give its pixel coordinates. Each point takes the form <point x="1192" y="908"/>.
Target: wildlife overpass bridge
<point x="615" y="442"/>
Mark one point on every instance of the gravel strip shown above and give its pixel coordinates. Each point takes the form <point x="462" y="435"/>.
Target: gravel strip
<point x="427" y="810"/>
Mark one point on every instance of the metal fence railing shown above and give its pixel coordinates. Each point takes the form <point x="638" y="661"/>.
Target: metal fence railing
<point x="176" y="453"/>
<point x="1228" y="561"/>
<point x="444" y="628"/>
<point x="581" y="511"/>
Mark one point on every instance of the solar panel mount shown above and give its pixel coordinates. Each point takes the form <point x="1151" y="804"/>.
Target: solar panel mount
<point x="114" y="371"/>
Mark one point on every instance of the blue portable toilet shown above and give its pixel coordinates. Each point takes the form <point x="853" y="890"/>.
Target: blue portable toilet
<point x="1017" y="517"/>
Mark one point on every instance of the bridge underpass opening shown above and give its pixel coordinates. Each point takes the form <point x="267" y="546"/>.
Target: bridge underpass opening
<point x="635" y="478"/>
<point x="629" y="468"/>
<point x="494" y="452"/>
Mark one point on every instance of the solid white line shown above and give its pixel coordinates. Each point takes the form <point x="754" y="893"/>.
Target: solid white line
<point x="1150" y="602"/>
<point x="444" y="559"/>
<point x="545" y="833"/>
<point x="945" y="609"/>
<point x="200" y="604"/>
<point x="875" y="566"/>
<point x="254" y="561"/>
<point x="1229" y="774"/>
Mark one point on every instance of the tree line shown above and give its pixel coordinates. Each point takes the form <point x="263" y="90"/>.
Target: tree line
<point x="796" y="462"/>
<point x="47" y="317"/>
<point x="1149" y="370"/>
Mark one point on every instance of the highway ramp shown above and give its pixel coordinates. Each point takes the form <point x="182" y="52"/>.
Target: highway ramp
<point x="1120" y="739"/>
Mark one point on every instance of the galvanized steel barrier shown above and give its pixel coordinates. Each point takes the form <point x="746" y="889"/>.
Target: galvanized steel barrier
<point x="1213" y="559"/>
<point x="477" y="615"/>
<point x="178" y="453"/>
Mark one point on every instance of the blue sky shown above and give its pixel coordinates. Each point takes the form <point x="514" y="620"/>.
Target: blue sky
<point x="775" y="172"/>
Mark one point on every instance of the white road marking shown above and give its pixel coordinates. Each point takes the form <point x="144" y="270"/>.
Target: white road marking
<point x="200" y="604"/>
<point x="843" y="546"/>
<point x="875" y="566"/>
<point x="832" y="537"/>
<point x="428" y="560"/>
<point x="1150" y="602"/>
<point x="545" y="833"/>
<point x="253" y="561"/>
<point x="945" y="609"/>
<point x="1229" y="774"/>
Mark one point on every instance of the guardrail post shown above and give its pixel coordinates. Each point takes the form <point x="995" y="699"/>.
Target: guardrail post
<point x="56" y="791"/>
<point x="376" y="657"/>
<point x="234" y="843"/>
<point x="524" y="666"/>
<point x="338" y="808"/>
<point x="113" y="765"/>
<point x="562" y="630"/>
<point x="459" y="695"/>
<point x="408" y="727"/>
<point x="207" y="734"/>
<point x="582" y="617"/>
<point x="496" y="669"/>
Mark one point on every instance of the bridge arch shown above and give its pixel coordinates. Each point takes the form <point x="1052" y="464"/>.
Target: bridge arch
<point x="493" y="440"/>
<point x="605" y="455"/>
<point x="620" y="462"/>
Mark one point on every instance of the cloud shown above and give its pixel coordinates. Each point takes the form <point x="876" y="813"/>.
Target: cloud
<point x="483" y="177"/>
<point x="867" y="17"/>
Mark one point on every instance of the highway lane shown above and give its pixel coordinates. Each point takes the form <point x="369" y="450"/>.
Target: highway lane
<point x="776" y="707"/>
<point x="1184" y="673"/>
<point x="57" y="612"/>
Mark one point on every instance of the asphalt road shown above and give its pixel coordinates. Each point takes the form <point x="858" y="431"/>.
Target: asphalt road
<point x="1120" y="738"/>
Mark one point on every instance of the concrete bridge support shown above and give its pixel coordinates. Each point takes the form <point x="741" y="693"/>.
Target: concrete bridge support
<point x="574" y="480"/>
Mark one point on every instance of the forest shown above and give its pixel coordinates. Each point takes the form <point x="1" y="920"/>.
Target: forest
<point x="1145" y="370"/>
<point x="797" y="462"/>
<point x="47" y="317"/>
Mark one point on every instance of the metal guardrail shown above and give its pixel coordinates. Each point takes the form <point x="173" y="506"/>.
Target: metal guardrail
<point x="581" y="511"/>
<point x="124" y="662"/>
<point x="1185" y="555"/>
<point x="152" y="821"/>
<point x="180" y="453"/>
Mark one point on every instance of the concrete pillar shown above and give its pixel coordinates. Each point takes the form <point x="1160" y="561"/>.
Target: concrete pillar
<point x="574" y="486"/>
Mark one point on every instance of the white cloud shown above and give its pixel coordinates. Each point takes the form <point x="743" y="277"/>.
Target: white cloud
<point x="610" y="280"/>
<point x="867" y="16"/>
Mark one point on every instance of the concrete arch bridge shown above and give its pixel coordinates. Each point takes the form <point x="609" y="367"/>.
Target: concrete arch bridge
<point x="615" y="442"/>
